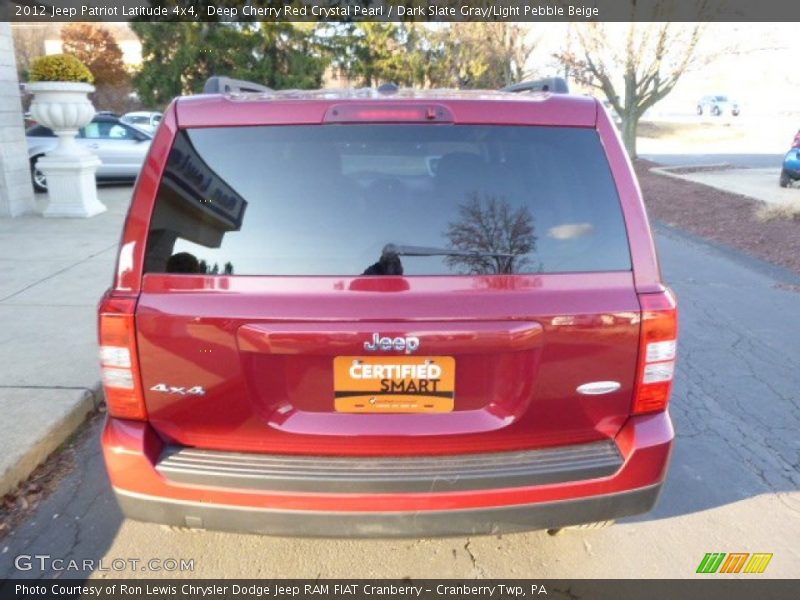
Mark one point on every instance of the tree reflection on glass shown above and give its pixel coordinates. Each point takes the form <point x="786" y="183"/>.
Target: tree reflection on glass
<point x="489" y="225"/>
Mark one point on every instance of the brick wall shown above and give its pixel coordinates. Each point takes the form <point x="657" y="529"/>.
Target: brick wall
<point x="16" y="193"/>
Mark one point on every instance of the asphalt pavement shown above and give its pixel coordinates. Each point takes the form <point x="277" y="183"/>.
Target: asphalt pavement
<point x="732" y="487"/>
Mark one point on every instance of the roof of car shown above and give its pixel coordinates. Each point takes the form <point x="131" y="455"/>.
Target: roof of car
<point x="374" y="93"/>
<point x="310" y="106"/>
<point x="97" y="118"/>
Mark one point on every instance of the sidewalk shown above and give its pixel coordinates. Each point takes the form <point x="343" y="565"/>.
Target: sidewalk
<point x="761" y="184"/>
<point x="52" y="274"/>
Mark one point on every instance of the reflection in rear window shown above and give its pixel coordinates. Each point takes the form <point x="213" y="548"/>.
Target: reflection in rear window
<point x="387" y="200"/>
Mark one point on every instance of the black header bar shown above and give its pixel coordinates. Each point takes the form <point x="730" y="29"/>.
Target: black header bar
<point x="245" y="11"/>
<point x="709" y="587"/>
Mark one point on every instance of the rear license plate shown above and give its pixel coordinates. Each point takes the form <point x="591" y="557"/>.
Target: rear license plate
<point x="394" y="384"/>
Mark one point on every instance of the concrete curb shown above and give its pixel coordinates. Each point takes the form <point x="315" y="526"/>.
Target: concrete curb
<point x="65" y="412"/>
<point x="667" y="171"/>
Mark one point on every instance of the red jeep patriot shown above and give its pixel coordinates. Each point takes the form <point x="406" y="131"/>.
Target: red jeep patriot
<point x="376" y="314"/>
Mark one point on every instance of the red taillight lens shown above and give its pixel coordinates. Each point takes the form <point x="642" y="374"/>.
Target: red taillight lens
<point x="658" y="339"/>
<point x="119" y="362"/>
<point x="379" y="112"/>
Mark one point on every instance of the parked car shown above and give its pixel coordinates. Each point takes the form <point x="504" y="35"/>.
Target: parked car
<point x="717" y="106"/>
<point x="120" y="147"/>
<point x="314" y="330"/>
<point x="790" y="172"/>
<point x="147" y="121"/>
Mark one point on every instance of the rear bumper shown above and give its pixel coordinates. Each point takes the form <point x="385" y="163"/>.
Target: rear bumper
<point x="551" y="488"/>
<point x="386" y="475"/>
<point x="432" y="523"/>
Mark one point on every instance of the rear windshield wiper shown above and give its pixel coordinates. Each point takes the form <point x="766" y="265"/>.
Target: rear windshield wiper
<point x="390" y="250"/>
<point x="389" y="262"/>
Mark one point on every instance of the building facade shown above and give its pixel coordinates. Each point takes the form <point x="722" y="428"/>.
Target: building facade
<point x="16" y="191"/>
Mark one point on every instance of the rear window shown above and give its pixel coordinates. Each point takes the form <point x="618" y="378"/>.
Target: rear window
<point x="386" y="200"/>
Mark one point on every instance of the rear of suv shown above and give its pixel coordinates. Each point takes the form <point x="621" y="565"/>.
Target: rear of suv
<point x="379" y="314"/>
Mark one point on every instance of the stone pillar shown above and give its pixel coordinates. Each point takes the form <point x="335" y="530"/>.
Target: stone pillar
<point x="16" y="190"/>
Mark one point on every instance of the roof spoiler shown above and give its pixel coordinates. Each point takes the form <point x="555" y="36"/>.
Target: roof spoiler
<point x="555" y="85"/>
<point x="225" y="85"/>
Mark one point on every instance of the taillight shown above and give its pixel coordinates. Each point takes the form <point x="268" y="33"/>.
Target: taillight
<point x="379" y="112"/>
<point x="119" y="364"/>
<point x="658" y="338"/>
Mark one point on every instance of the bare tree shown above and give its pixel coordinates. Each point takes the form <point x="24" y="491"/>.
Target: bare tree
<point x="480" y="55"/>
<point x="635" y="65"/>
<point x="490" y="225"/>
<point x="29" y="39"/>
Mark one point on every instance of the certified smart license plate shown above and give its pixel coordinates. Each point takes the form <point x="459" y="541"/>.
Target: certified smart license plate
<point x="394" y="384"/>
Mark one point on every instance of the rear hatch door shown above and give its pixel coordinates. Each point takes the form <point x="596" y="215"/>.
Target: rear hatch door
<point x="387" y="289"/>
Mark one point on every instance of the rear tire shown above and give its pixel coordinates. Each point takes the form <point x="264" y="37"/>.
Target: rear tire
<point x="785" y="180"/>
<point x="716" y="111"/>
<point x="699" y="111"/>
<point x="37" y="177"/>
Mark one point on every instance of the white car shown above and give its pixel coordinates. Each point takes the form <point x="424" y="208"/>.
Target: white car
<point x="148" y="121"/>
<point x="120" y="147"/>
<point x="717" y="106"/>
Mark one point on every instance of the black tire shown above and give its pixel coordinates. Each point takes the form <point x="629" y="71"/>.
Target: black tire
<point x="699" y="111"/>
<point x="716" y="111"/>
<point x="785" y="180"/>
<point x="37" y="177"/>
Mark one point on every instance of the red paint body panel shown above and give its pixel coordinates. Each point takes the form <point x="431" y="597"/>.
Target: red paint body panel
<point x="131" y="449"/>
<point x="491" y="109"/>
<point x="585" y="328"/>
<point x="134" y="234"/>
<point x="647" y="274"/>
<point x="262" y="348"/>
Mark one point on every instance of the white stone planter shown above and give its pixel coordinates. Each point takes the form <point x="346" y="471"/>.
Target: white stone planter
<point x="69" y="168"/>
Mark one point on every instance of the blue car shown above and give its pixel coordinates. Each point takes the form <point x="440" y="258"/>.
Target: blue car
<point x="791" y="167"/>
<point x="791" y="163"/>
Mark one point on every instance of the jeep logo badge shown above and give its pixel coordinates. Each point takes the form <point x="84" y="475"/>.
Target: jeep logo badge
<point x="401" y="344"/>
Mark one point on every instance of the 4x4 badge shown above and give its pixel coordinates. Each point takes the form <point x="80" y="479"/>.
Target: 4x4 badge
<point x="197" y="390"/>
<point x="403" y="344"/>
